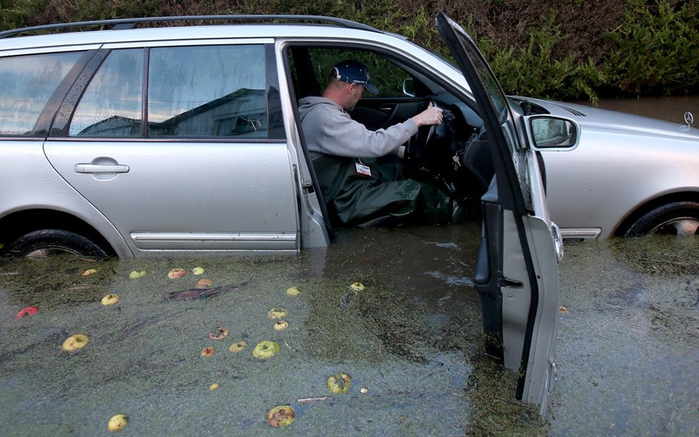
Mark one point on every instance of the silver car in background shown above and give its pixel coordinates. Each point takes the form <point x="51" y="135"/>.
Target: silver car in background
<point x="629" y="175"/>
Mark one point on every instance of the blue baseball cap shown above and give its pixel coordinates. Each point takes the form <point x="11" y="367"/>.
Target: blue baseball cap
<point x="353" y="72"/>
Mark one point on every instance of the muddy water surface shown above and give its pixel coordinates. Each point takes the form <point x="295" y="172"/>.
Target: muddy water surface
<point x="411" y="341"/>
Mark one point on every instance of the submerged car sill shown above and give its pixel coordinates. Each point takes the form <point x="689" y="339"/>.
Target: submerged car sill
<point x="203" y="241"/>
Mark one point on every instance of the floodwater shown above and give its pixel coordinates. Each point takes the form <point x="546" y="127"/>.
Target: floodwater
<point x="628" y="352"/>
<point x="411" y="340"/>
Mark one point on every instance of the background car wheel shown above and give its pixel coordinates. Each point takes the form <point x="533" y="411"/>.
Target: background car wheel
<point x="677" y="218"/>
<point x="48" y="242"/>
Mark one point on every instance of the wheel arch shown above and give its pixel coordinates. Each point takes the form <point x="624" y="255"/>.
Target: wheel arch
<point x="14" y="225"/>
<point x="683" y="196"/>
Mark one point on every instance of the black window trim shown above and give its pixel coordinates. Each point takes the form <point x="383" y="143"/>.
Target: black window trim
<point x="67" y="104"/>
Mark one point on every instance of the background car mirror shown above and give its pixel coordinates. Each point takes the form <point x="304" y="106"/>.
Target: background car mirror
<point x="547" y="132"/>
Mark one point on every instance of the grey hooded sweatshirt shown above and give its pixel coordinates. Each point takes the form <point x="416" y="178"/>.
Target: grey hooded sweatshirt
<point x="329" y="130"/>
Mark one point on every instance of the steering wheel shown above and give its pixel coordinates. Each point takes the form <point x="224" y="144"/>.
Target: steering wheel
<point x="417" y="145"/>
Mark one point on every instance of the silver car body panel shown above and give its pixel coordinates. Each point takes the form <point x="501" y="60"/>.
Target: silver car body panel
<point x="192" y="196"/>
<point x="659" y="158"/>
<point x="33" y="184"/>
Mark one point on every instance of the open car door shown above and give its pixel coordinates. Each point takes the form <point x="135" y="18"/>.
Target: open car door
<point x="517" y="270"/>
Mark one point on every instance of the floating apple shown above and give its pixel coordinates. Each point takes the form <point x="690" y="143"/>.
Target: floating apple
<point x="238" y="346"/>
<point x="276" y="313"/>
<point x="266" y="349"/>
<point x="75" y="342"/>
<point x="28" y="311"/>
<point x="110" y="299"/>
<point x="176" y="273"/>
<point x="218" y="333"/>
<point x="135" y="274"/>
<point x="282" y="415"/>
<point x="357" y="286"/>
<point x="88" y="272"/>
<point x="339" y="382"/>
<point x="293" y="291"/>
<point x="281" y="325"/>
<point x="117" y="423"/>
<point x="204" y="283"/>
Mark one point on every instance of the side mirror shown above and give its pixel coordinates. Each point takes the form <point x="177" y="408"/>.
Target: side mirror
<point x="409" y="87"/>
<point x="550" y="132"/>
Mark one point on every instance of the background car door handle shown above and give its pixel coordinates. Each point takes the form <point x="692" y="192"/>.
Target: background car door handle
<point x="101" y="168"/>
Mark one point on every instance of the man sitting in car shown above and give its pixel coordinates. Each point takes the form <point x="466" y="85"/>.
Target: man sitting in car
<point x="356" y="188"/>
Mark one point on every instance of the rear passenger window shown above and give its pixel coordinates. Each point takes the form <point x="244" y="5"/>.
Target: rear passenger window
<point x="27" y="85"/>
<point x="111" y="104"/>
<point x="207" y="92"/>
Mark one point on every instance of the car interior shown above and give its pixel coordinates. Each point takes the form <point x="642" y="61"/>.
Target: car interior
<point x="453" y="156"/>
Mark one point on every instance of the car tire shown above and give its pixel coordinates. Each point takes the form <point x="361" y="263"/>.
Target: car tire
<point x="676" y="218"/>
<point x="48" y="242"/>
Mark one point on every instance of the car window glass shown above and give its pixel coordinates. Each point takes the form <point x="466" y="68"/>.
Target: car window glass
<point x="27" y="84"/>
<point x="387" y="76"/>
<point x="111" y="104"/>
<point x="207" y="91"/>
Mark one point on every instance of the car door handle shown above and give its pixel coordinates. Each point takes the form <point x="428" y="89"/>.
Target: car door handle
<point x="101" y="168"/>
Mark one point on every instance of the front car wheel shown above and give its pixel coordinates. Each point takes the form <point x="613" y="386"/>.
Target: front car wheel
<point x="676" y="218"/>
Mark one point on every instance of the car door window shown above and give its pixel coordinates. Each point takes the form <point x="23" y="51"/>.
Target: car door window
<point x="27" y="85"/>
<point x="208" y="91"/>
<point x="387" y="76"/>
<point x="111" y="105"/>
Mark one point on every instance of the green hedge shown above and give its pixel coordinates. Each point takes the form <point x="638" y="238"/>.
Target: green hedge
<point x="569" y="49"/>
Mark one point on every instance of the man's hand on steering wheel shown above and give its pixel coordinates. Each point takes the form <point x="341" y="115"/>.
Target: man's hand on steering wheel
<point x="427" y="122"/>
<point x="432" y="116"/>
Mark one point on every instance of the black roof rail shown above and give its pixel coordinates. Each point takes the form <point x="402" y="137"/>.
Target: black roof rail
<point x="129" y="23"/>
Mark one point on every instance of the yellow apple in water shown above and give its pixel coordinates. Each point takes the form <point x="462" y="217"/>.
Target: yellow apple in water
<point x="75" y="342"/>
<point x="117" y="422"/>
<point x="238" y="346"/>
<point x="357" y="286"/>
<point x="293" y="291"/>
<point x="339" y="382"/>
<point x="88" y="272"/>
<point x="110" y="299"/>
<point x="135" y="274"/>
<point x="276" y="313"/>
<point x="282" y="415"/>
<point x="266" y="349"/>
<point x="281" y="325"/>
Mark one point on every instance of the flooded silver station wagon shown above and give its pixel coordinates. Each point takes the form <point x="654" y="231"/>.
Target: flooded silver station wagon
<point x="173" y="140"/>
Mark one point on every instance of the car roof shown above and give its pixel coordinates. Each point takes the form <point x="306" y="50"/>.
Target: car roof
<point x="228" y="26"/>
